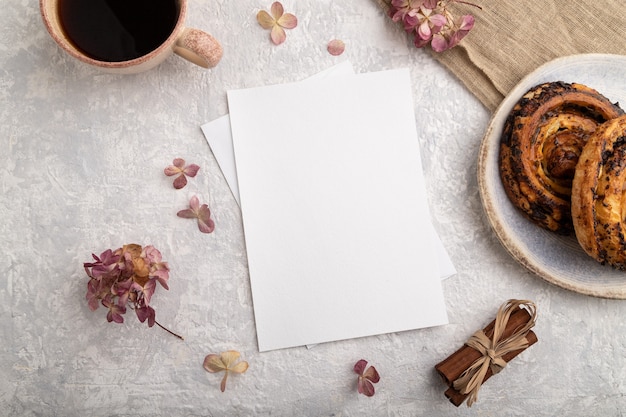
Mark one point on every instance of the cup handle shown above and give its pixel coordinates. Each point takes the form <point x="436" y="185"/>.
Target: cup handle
<point x="198" y="47"/>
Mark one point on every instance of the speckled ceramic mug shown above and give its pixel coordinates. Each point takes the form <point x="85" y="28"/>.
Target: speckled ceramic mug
<point x="194" y="45"/>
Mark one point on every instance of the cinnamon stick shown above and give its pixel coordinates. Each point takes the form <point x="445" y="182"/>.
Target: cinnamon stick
<point x="454" y="365"/>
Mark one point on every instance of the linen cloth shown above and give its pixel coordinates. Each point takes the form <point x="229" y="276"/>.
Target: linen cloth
<point x="511" y="38"/>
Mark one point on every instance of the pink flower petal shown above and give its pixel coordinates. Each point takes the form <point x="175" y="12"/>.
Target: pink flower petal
<point x="372" y="374"/>
<point x="148" y="290"/>
<point x="180" y="181"/>
<point x="365" y="387"/>
<point x="206" y="227"/>
<point x="438" y="20"/>
<point x="187" y="214"/>
<point x="223" y="383"/>
<point x="278" y="35"/>
<point x="277" y="10"/>
<point x="179" y="163"/>
<point x="205" y="224"/>
<point x="172" y="170"/>
<point x="265" y="20"/>
<point x="424" y="30"/>
<point x="439" y="43"/>
<point x="336" y="47"/>
<point x="194" y="203"/>
<point x="288" y="21"/>
<point x="359" y="367"/>
<point x="466" y="22"/>
<point x="144" y="313"/>
<point x="191" y="170"/>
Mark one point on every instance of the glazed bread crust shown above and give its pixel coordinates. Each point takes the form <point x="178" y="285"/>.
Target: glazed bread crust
<point x="542" y="140"/>
<point x="598" y="194"/>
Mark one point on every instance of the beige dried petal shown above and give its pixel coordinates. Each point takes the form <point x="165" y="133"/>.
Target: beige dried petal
<point x="265" y="20"/>
<point x="229" y="357"/>
<point x="225" y="362"/>
<point x="240" y="368"/>
<point x="336" y="47"/>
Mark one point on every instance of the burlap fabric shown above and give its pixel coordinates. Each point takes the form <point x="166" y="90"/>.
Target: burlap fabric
<point x="511" y="38"/>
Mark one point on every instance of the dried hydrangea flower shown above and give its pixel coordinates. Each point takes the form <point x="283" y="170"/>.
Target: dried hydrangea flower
<point x="225" y="362"/>
<point x="336" y="47"/>
<point x="200" y="212"/>
<point x="126" y="277"/>
<point x="431" y="22"/>
<point x="182" y="171"/>
<point x="367" y="378"/>
<point x="277" y="22"/>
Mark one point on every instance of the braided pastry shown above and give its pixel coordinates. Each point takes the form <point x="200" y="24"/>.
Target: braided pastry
<point x="542" y="140"/>
<point x="599" y="195"/>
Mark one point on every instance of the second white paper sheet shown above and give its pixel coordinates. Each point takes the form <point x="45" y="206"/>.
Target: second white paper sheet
<point x="334" y="208"/>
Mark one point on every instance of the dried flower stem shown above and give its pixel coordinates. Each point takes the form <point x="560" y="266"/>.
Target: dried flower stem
<point x="168" y="330"/>
<point x="468" y="3"/>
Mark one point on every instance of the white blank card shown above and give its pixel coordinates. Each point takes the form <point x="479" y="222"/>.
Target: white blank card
<point x="334" y="208"/>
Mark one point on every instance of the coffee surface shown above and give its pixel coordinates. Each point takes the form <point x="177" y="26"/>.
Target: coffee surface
<point x="117" y="30"/>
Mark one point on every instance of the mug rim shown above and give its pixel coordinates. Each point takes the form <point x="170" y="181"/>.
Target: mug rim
<point x="57" y="33"/>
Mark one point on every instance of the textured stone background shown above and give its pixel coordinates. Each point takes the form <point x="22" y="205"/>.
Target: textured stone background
<point x="81" y="161"/>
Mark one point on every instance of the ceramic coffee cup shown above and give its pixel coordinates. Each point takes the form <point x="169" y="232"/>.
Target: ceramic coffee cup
<point x="194" y="45"/>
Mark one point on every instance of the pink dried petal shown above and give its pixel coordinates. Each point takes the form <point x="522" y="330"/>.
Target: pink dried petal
<point x="146" y="312"/>
<point x="172" y="170"/>
<point x="424" y="31"/>
<point x="372" y="374"/>
<point x="359" y="367"/>
<point x="179" y="163"/>
<point x="187" y="214"/>
<point x="93" y="294"/>
<point x="365" y="387"/>
<point x="191" y="170"/>
<point x="148" y="290"/>
<point x="194" y="203"/>
<point x="180" y="181"/>
<point x="466" y="22"/>
<point x="205" y="223"/>
<point x="336" y="47"/>
<point x="438" y="44"/>
<point x="288" y="21"/>
<point x="278" y="35"/>
<point x="223" y="383"/>
<point x="277" y="10"/>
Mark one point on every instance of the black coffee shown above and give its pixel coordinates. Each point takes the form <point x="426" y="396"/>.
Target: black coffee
<point x="117" y="30"/>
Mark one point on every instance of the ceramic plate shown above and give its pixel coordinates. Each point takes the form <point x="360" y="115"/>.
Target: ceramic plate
<point x="557" y="259"/>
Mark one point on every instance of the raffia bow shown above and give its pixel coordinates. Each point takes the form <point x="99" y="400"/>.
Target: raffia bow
<point x="492" y="350"/>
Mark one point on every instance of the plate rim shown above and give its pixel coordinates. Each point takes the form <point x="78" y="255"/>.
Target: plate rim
<point x="489" y="208"/>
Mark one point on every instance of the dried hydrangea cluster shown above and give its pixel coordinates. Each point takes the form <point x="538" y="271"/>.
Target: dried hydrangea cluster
<point x="126" y="277"/>
<point x="431" y="22"/>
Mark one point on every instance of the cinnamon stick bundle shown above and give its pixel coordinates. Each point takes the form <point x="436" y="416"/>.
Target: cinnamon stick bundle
<point x="451" y="368"/>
